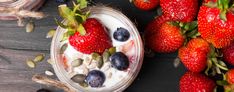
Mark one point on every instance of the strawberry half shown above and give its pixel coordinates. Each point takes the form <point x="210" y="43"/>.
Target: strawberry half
<point x="216" y="25"/>
<point x="96" y="38"/>
<point x="195" y="82"/>
<point x="180" y="10"/>
<point x="194" y="55"/>
<point x="146" y="4"/>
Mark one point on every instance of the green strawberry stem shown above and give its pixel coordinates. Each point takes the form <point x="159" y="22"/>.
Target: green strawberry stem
<point x="223" y="5"/>
<point x="74" y="17"/>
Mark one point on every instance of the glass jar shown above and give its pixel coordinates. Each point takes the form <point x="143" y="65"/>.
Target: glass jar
<point x="112" y="19"/>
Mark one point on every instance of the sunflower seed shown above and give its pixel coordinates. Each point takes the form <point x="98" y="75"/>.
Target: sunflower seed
<point x="31" y="64"/>
<point x="78" y="78"/>
<point x="77" y="62"/>
<point x="39" y="58"/>
<point x="29" y="26"/>
<point x="63" y="48"/>
<point x="49" y="73"/>
<point x="51" y="33"/>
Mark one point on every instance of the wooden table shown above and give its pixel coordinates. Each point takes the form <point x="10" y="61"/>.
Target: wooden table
<point x="16" y="46"/>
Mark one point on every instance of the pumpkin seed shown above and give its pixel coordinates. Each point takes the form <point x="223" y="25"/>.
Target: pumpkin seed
<point x="105" y="56"/>
<point x="31" y="64"/>
<point x="94" y="55"/>
<point x="50" y="61"/>
<point x="29" y="26"/>
<point x="77" y="62"/>
<point x="78" y="78"/>
<point x="49" y="73"/>
<point x="51" y="33"/>
<point x="63" y="48"/>
<point x="39" y="58"/>
<point x="99" y="62"/>
<point x="112" y="50"/>
<point x="84" y="84"/>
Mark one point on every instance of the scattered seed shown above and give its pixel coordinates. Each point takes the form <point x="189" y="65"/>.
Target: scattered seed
<point x="84" y="84"/>
<point x="50" y="61"/>
<point x="31" y="64"/>
<point x="112" y="50"/>
<point x="92" y="65"/>
<point x="77" y="62"/>
<point x="105" y="56"/>
<point x="63" y="48"/>
<point x="94" y="55"/>
<point x="39" y="58"/>
<point x="51" y="33"/>
<point x="176" y="62"/>
<point x="29" y="26"/>
<point x="81" y="70"/>
<point x="109" y="75"/>
<point x="99" y="62"/>
<point x="49" y="73"/>
<point x="87" y="61"/>
<point x="78" y="78"/>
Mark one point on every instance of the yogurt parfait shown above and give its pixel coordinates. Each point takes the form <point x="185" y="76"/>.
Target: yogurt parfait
<point x="97" y="50"/>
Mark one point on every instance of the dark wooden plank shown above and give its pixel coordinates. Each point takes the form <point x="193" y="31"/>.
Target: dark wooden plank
<point x="16" y="76"/>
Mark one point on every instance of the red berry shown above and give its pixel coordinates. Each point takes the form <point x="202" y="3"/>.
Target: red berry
<point x="230" y="76"/>
<point x="228" y="54"/>
<point x="96" y="38"/>
<point x="195" y="82"/>
<point x="168" y="38"/>
<point x="213" y="28"/>
<point x="146" y="4"/>
<point x="180" y="10"/>
<point x="194" y="55"/>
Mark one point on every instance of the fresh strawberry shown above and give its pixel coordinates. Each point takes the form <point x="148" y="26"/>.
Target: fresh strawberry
<point x="154" y="25"/>
<point x="146" y="4"/>
<point x="195" y="82"/>
<point x="180" y="10"/>
<point x="230" y="76"/>
<point x="96" y="38"/>
<point x="168" y="38"/>
<point x="194" y="55"/>
<point x="216" y="25"/>
<point x="228" y="54"/>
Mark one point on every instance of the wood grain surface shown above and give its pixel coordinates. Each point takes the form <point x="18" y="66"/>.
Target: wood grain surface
<point x="16" y="46"/>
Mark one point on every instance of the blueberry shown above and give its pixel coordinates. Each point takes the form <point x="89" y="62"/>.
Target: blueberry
<point x="95" y="78"/>
<point x="119" y="61"/>
<point x="121" y="34"/>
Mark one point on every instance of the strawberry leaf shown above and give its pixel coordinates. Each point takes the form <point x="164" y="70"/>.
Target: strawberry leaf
<point x="81" y="29"/>
<point x="222" y="82"/>
<point x="60" y="24"/>
<point x="83" y="3"/>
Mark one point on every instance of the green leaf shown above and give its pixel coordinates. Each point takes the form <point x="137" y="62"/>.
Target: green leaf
<point x="83" y="3"/>
<point x="81" y="29"/>
<point x="65" y="37"/>
<point x="60" y="24"/>
<point x="222" y="82"/>
<point x="64" y="11"/>
<point x="222" y="15"/>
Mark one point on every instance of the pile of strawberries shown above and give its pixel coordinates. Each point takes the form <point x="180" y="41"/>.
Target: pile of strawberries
<point x="203" y="36"/>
